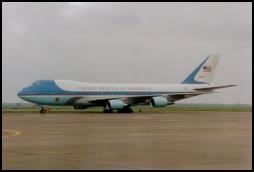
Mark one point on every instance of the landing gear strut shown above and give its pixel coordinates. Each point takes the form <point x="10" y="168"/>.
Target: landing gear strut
<point x="126" y="109"/>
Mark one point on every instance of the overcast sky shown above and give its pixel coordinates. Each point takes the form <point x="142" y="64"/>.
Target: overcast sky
<point x="127" y="42"/>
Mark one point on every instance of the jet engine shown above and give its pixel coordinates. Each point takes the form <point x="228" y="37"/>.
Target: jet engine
<point x="116" y="104"/>
<point x="159" y="101"/>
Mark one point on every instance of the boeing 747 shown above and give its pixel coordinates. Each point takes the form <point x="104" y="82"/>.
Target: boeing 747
<point x="121" y="97"/>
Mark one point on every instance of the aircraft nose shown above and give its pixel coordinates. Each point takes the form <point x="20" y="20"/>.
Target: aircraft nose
<point x="20" y="93"/>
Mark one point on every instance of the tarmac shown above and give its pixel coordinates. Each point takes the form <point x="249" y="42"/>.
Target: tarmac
<point x="179" y="140"/>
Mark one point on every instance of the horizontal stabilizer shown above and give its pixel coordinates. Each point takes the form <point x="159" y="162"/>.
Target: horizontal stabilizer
<point x="211" y="88"/>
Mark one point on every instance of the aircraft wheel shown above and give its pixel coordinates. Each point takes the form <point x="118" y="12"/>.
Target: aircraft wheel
<point x="43" y="111"/>
<point x="129" y="110"/>
<point x="107" y="111"/>
<point x="125" y="110"/>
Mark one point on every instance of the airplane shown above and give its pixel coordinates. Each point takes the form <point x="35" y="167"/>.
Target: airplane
<point x="121" y="97"/>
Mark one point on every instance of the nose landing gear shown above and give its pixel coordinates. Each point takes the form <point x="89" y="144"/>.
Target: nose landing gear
<point x="43" y="111"/>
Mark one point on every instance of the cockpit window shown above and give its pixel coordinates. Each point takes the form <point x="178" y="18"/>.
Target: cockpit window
<point x="36" y="83"/>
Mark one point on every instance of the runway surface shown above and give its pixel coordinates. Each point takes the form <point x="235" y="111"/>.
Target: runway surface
<point x="179" y="140"/>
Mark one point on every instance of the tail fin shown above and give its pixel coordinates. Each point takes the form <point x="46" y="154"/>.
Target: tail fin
<point x="203" y="74"/>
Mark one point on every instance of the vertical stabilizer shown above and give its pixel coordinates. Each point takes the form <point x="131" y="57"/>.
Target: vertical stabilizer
<point x="204" y="73"/>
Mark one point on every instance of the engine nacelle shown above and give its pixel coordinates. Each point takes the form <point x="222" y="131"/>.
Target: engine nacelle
<point x="159" y="101"/>
<point x="116" y="104"/>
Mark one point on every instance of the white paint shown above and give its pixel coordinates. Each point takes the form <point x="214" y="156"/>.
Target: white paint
<point x="76" y="86"/>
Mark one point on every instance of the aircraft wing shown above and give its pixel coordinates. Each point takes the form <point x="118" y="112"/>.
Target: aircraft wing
<point x="131" y="100"/>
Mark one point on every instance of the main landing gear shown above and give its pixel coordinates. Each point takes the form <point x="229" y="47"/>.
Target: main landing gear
<point x="124" y="110"/>
<point x="107" y="111"/>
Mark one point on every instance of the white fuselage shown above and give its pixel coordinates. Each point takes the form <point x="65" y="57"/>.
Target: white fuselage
<point x="62" y="92"/>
